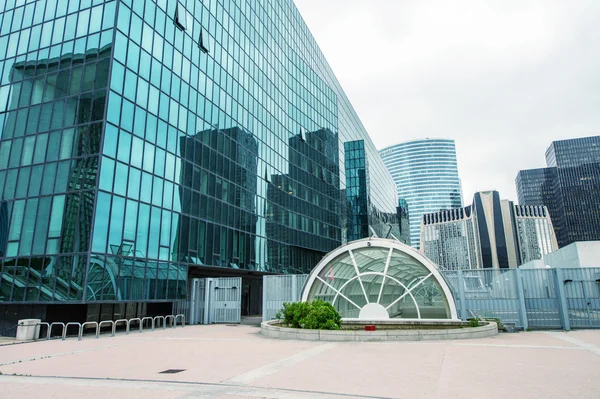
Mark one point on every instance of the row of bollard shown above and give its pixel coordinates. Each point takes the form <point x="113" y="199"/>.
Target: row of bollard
<point x="156" y="322"/>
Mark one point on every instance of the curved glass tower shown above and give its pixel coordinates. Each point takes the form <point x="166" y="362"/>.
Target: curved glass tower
<point x="426" y="174"/>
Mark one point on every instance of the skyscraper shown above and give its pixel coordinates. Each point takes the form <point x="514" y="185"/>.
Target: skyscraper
<point x="569" y="187"/>
<point x="426" y="174"/>
<point x="573" y="152"/>
<point x="144" y="142"/>
<point x="491" y="233"/>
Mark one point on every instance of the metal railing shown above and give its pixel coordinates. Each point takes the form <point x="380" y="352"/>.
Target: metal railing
<point x="144" y="319"/>
<point x="98" y="326"/>
<point x="89" y="323"/>
<point x="159" y="318"/>
<point x="112" y="327"/>
<point x="55" y="324"/>
<point x="136" y="320"/>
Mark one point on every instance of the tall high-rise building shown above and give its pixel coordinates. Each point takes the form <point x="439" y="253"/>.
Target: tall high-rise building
<point x="426" y="174"/>
<point x="490" y="234"/>
<point x="569" y="187"/>
<point x="573" y="152"/>
<point x="146" y="142"/>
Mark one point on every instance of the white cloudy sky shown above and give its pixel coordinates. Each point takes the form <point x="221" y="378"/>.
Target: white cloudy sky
<point x="502" y="77"/>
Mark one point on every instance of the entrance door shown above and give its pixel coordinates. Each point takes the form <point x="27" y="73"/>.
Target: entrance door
<point x="215" y="300"/>
<point x="225" y="300"/>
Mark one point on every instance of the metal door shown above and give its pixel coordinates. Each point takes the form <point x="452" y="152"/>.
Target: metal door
<point x="582" y="292"/>
<point x="541" y="298"/>
<point x="224" y="300"/>
<point x="197" y="303"/>
<point x="215" y="300"/>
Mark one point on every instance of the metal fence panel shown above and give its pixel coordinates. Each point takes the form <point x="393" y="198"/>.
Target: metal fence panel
<point x="197" y="298"/>
<point x="582" y="292"/>
<point x="280" y="289"/>
<point x="487" y="294"/>
<point x="542" y="300"/>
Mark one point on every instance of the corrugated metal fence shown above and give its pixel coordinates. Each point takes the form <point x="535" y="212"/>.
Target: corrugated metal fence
<point x="280" y="289"/>
<point x="530" y="298"/>
<point x="526" y="298"/>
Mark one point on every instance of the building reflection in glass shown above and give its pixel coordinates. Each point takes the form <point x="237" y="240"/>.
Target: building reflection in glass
<point x="3" y="227"/>
<point x="218" y="199"/>
<point x="364" y="219"/>
<point x="303" y="208"/>
<point x="53" y="129"/>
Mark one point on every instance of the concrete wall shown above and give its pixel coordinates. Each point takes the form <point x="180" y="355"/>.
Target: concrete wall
<point x="578" y="254"/>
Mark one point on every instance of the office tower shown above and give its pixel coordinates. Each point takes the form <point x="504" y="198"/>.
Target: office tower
<point x="426" y="174"/>
<point x="491" y="233"/>
<point x="144" y="143"/>
<point x="569" y="187"/>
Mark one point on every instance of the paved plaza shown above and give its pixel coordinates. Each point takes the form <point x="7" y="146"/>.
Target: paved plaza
<point x="222" y="361"/>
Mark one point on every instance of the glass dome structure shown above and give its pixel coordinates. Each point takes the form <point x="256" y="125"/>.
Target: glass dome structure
<point x="378" y="279"/>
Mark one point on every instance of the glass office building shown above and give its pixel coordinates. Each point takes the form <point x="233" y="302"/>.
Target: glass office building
<point x="573" y="152"/>
<point x="569" y="187"/>
<point x="364" y="217"/>
<point x="146" y="142"/>
<point x="426" y="174"/>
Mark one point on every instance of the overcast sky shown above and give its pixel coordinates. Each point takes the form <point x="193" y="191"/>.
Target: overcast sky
<point x="504" y="78"/>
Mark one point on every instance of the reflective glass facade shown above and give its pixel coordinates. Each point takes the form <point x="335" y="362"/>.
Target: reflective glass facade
<point x="404" y="221"/>
<point x="55" y="59"/>
<point x="573" y="152"/>
<point x="569" y="187"/>
<point x="141" y="140"/>
<point x="426" y="174"/>
<point x="364" y="217"/>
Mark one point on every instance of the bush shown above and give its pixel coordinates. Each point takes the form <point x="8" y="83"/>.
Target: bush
<point x="474" y="322"/>
<point x="315" y="315"/>
<point x="293" y="313"/>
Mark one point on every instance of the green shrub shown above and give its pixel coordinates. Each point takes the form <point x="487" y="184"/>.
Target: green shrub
<point x="315" y="315"/>
<point x="474" y="322"/>
<point x="293" y="313"/>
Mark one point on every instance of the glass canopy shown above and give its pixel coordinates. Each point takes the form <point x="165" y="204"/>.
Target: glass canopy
<point x="381" y="279"/>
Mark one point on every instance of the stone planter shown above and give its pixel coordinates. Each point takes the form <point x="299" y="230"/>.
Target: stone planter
<point x="272" y="329"/>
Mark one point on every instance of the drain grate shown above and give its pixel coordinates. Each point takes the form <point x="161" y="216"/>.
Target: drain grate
<point x="172" y="371"/>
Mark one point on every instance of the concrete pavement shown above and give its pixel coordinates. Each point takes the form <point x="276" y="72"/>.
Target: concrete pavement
<point x="222" y="361"/>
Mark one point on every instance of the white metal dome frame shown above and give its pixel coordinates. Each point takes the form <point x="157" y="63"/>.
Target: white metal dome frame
<point x="374" y="310"/>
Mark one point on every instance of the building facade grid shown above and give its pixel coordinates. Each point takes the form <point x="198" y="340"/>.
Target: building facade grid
<point x="141" y="141"/>
<point x="426" y="176"/>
